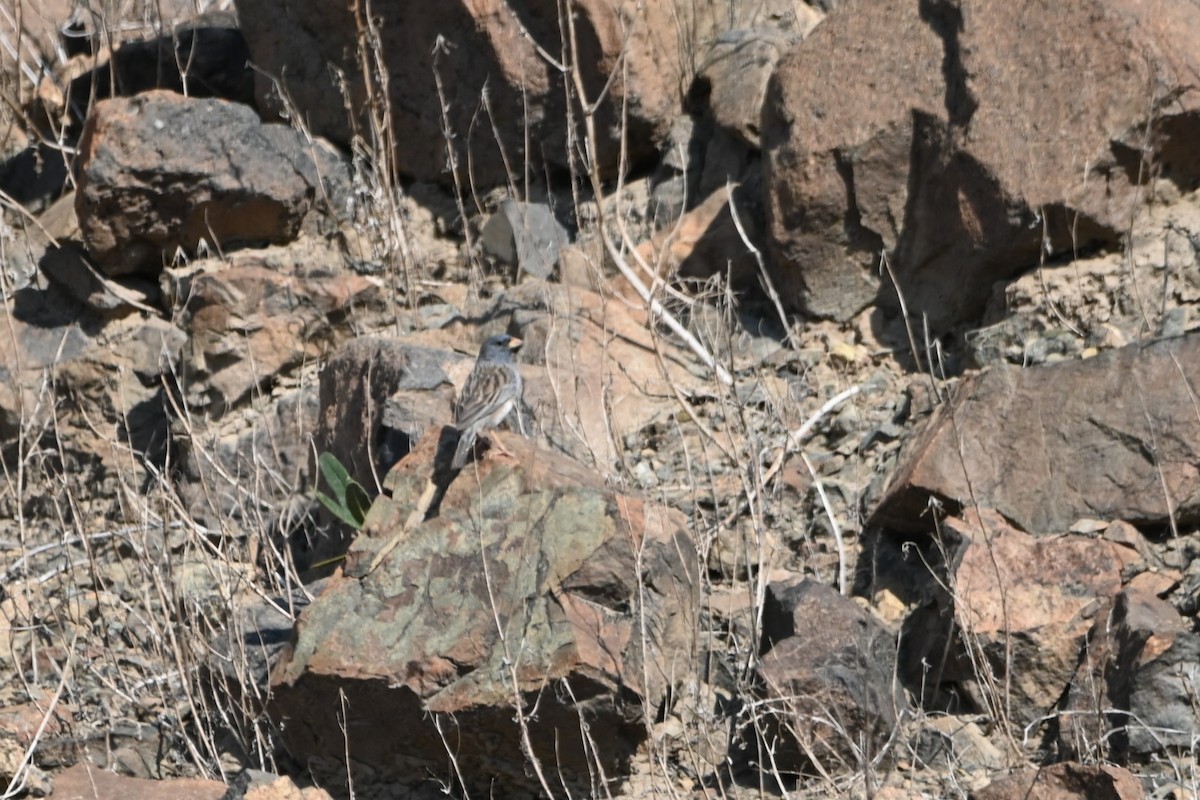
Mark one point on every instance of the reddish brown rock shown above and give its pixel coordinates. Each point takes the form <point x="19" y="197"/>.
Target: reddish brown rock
<point x="248" y="321"/>
<point x="1023" y="604"/>
<point x="533" y="587"/>
<point x="828" y="677"/>
<point x="967" y="138"/>
<point x="591" y="382"/>
<point x="1116" y="436"/>
<point x="161" y="172"/>
<point x="1066" y="781"/>
<point x="703" y="243"/>
<point x="87" y="782"/>
<point x="1134" y="690"/>
<point x="735" y="73"/>
<point x="470" y="46"/>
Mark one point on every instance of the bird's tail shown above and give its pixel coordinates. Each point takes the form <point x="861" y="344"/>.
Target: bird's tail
<point x="465" y="440"/>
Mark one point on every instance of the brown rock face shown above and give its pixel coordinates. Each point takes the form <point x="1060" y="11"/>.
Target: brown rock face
<point x="1024" y="605"/>
<point x="963" y="138"/>
<point x="492" y="45"/>
<point x="829" y="670"/>
<point x="534" y="587"/>
<point x="86" y="781"/>
<point x="246" y="326"/>
<point x="160" y="171"/>
<point x="1112" y="437"/>
<point x="1133" y="692"/>
<point x="1066" y="781"/>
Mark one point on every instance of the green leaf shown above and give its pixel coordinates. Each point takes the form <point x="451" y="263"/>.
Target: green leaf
<point x="358" y="502"/>
<point x="335" y="475"/>
<point x="350" y="501"/>
<point x="339" y="510"/>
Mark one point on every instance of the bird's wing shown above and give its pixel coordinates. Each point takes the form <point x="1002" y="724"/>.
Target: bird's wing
<point x="487" y="390"/>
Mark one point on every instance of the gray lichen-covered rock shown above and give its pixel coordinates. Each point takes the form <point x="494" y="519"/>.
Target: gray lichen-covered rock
<point x="525" y="235"/>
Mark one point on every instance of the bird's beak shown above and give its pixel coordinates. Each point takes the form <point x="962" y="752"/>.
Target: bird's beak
<point x="514" y="343"/>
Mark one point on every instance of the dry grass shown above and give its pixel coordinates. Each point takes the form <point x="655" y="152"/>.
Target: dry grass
<point x="123" y="610"/>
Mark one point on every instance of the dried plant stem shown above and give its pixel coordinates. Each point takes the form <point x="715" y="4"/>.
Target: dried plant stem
<point x="792" y="443"/>
<point x="657" y="310"/>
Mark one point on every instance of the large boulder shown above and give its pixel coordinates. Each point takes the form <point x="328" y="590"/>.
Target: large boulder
<point x="967" y="139"/>
<point x="1115" y="436"/>
<point x="1008" y="635"/>
<point x="161" y="173"/>
<point x="533" y="617"/>
<point x="493" y="63"/>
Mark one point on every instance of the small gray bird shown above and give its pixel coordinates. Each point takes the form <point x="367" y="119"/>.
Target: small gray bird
<point x="490" y="393"/>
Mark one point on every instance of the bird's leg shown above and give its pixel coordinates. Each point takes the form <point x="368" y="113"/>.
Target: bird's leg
<point x="495" y="444"/>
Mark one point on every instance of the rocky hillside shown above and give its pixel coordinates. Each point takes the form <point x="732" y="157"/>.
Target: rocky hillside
<point x="858" y="449"/>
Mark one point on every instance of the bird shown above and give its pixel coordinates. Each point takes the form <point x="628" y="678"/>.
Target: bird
<point x="491" y="391"/>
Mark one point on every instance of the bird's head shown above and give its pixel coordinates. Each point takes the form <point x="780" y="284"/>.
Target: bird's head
<point x="499" y="348"/>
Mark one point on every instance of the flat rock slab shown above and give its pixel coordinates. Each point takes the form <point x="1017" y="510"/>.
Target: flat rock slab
<point x="86" y="782"/>
<point x="535" y="591"/>
<point x="1066" y="781"/>
<point x="1112" y="437"/>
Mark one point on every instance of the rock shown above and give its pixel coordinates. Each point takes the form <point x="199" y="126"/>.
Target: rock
<point x="735" y="73"/>
<point x="1114" y="436"/>
<point x="250" y="467"/>
<point x="965" y="140"/>
<point x="593" y="373"/>
<point x="249" y="322"/>
<point x="949" y="740"/>
<point x="525" y="235"/>
<point x="205" y="56"/>
<point x="706" y="242"/>
<point x="581" y="265"/>
<point x="53" y="228"/>
<point x="68" y="267"/>
<point x="160" y="172"/>
<point x="87" y="385"/>
<point x="1066" y="781"/>
<point x="45" y="331"/>
<point x="1131" y="695"/>
<point x="87" y="782"/>
<point x="675" y="182"/>
<point x="1022" y="603"/>
<point x="526" y="593"/>
<point x="470" y="48"/>
<point x="378" y="397"/>
<point x="255" y="636"/>
<point x="275" y="787"/>
<point x="32" y="174"/>
<point x="829" y="663"/>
